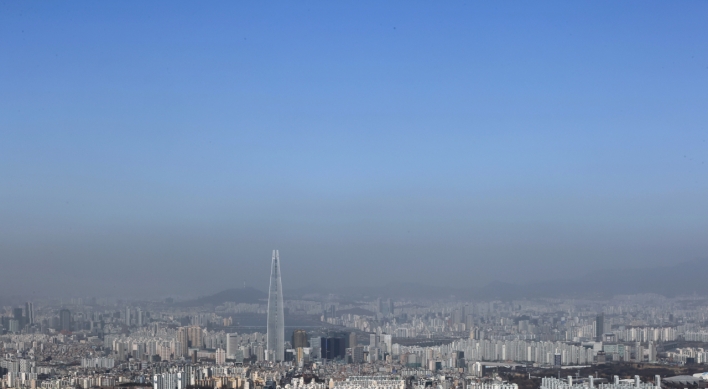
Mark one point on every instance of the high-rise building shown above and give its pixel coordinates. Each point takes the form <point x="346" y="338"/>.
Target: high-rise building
<point x="196" y="337"/>
<point x="65" y="320"/>
<point x="652" y="352"/>
<point x="458" y="358"/>
<point x="165" y="381"/>
<point x="315" y="345"/>
<point x="29" y="313"/>
<point x="127" y="316"/>
<point x="358" y="354"/>
<point x="387" y="341"/>
<point x="183" y="339"/>
<point x="220" y="356"/>
<point x="232" y="345"/>
<point x="333" y="347"/>
<point x="299" y="339"/>
<point x="599" y="326"/>
<point x="275" y="348"/>
<point x="352" y="340"/>
<point x="385" y="307"/>
<point x="17" y="315"/>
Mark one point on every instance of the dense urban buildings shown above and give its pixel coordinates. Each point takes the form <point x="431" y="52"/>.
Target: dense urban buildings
<point x="354" y="343"/>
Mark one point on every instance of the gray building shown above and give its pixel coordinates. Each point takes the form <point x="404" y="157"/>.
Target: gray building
<point x="275" y="348"/>
<point x="599" y="326"/>
<point x="65" y="320"/>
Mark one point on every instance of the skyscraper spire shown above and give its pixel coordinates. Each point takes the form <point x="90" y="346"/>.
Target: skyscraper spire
<point x="276" y="320"/>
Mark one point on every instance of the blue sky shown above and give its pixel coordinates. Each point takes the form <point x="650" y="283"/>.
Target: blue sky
<point x="369" y="141"/>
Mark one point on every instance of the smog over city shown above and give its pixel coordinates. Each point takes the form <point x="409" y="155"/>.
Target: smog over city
<point x="353" y="195"/>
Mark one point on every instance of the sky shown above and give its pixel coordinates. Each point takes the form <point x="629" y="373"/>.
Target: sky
<point x="165" y="148"/>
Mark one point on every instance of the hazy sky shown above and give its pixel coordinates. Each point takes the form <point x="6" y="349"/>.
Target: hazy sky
<point x="167" y="148"/>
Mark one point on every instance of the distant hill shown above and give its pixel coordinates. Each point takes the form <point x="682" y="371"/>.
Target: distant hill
<point x="247" y="295"/>
<point x="682" y="279"/>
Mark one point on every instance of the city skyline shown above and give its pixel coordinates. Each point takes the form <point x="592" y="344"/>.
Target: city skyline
<point x="469" y="195"/>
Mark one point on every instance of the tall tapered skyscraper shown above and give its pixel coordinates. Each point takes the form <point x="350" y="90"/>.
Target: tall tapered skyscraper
<point x="276" y="320"/>
<point x="29" y="313"/>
